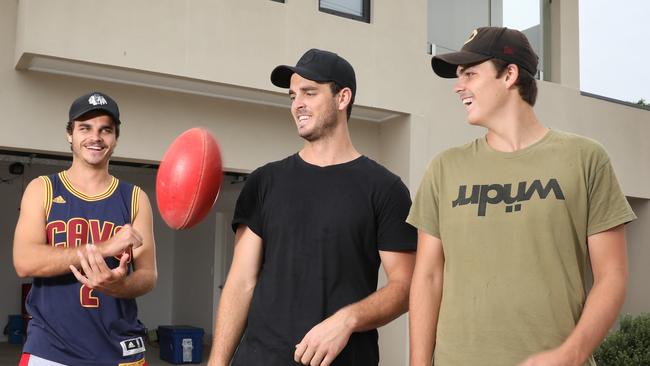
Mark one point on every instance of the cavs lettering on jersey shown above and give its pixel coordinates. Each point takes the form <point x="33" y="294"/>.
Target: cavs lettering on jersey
<point x="71" y="323"/>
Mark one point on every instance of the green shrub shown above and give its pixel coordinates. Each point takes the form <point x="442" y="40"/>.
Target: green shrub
<point x="627" y="346"/>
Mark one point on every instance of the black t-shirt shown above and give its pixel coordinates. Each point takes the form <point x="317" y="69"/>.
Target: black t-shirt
<point x="321" y="228"/>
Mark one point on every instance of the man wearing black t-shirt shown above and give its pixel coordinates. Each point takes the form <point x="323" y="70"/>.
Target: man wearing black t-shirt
<point x="311" y="232"/>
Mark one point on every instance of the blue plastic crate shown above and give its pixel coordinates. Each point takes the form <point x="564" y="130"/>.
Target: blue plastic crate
<point x="180" y="344"/>
<point x="15" y="329"/>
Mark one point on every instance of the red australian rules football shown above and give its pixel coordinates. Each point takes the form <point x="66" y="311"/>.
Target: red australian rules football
<point x="189" y="178"/>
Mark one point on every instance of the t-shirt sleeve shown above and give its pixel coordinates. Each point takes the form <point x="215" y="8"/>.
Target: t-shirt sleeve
<point x="608" y="206"/>
<point x="249" y="205"/>
<point x="394" y="234"/>
<point x="424" y="211"/>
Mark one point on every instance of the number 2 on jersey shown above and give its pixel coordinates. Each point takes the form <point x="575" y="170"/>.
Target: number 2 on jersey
<point x="86" y="298"/>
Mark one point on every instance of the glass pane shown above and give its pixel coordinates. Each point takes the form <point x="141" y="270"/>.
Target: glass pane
<point x="525" y="16"/>
<point x="451" y="22"/>
<point x="521" y="14"/>
<point x="344" y="6"/>
<point x="614" y="49"/>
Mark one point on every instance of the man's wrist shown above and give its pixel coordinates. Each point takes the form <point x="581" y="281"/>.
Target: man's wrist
<point x="350" y="318"/>
<point x="102" y="250"/>
<point x="572" y="353"/>
<point x="217" y="361"/>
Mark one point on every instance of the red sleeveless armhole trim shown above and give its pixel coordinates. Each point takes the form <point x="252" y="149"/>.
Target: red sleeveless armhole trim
<point x="24" y="360"/>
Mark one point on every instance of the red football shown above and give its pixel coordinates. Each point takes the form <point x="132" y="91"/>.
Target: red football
<point x="189" y="178"/>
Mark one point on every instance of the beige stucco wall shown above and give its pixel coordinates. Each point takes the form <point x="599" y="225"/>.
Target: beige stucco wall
<point x="637" y="300"/>
<point x="564" y="65"/>
<point x="234" y="42"/>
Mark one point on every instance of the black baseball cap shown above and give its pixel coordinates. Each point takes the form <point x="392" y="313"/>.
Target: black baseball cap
<point x="318" y="65"/>
<point x="94" y="101"/>
<point x="486" y="43"/>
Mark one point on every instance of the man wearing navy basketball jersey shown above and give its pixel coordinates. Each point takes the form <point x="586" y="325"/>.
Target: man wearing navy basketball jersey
<point x="87" y="240"/>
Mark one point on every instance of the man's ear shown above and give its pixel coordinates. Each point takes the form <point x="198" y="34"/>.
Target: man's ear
<point x="512" y="74"/>
<point x="344" y="99"/>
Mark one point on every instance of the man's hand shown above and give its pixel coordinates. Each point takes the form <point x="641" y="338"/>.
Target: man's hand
<point x="121" y="241"/>
<point x="324" y="342"/>
<point x="554" y="357"/>
<point x="96" y="273"/>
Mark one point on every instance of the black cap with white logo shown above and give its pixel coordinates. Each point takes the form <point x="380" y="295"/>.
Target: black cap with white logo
<point x="486" y="43"/>
<point x="320" y="66"/>
<point x="95" y="101"/>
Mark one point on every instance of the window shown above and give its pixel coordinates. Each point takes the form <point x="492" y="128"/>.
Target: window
<point x="526" y="16"/>
<point x="353" y="9"/>
<point x="614" y="50"/>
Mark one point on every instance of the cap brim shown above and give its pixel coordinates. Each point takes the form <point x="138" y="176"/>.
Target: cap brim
<point x="446" y="65"/>
<point x="92" y="109"/>
<point x="281" y="75"/>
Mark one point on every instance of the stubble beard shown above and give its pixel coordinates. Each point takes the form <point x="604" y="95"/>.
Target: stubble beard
<point x="323" y="126"/>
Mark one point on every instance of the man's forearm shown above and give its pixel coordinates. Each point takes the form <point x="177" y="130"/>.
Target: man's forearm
<point x="424" y="307"/>
<point x="327" y="339"/>
<point x="601" y="309"/>
<point x="43" y="260"/>
<point x="229" y="325"/>
<point x="137" y="283"/>
<point x="380" y="308"/>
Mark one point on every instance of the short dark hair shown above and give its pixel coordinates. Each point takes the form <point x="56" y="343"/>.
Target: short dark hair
<point x="335" y="88"/>
<point x="526" y="83"/>
<point x="69" y="127"/>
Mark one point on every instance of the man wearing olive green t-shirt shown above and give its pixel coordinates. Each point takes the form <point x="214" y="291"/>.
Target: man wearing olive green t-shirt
<point x="508" y="225"/>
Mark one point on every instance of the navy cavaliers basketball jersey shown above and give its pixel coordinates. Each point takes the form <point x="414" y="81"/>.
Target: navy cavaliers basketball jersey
<point x="71" y="323"/>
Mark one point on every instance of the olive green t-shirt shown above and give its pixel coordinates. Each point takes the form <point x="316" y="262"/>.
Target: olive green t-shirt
<point x="514" y="230"/>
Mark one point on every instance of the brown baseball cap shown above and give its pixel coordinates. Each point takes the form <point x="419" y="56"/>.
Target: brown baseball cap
<point x="486" y="43"/>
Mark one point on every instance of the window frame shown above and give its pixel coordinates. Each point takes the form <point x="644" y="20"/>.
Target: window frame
<point x="364" y="17"/>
